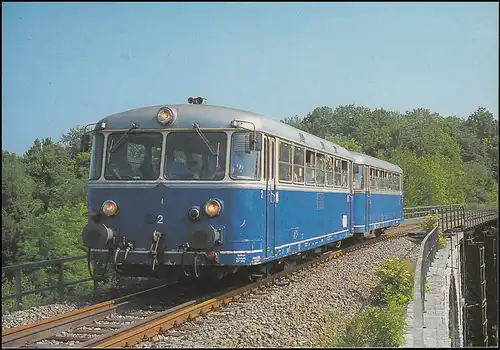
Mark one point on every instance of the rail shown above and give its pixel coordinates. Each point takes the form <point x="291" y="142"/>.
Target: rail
<point x="451" y="216"/>
<point x="428" y="249"/>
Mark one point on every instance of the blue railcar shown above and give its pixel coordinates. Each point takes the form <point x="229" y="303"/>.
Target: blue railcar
<point x="378" y="196"/>
<point x="197" y="189"/>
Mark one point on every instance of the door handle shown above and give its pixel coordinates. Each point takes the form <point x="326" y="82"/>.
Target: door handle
<point x="272" y="198"/>
<point x="277" y="197"/>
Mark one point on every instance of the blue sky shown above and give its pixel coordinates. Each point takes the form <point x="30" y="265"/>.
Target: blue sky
<point x="72" y="64"/>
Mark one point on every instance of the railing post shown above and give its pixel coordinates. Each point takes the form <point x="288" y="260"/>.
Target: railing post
<point x="464" y="221"/>
<point x="19" y="297"/>
<point x="454" y="217"/>
<point x="60" y="279"/>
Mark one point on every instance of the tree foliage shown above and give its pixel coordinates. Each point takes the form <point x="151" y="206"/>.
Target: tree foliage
<point x="444" y="159"/>
<point x="49" y="179"/>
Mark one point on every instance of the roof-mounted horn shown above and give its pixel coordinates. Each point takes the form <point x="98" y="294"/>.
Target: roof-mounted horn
<point x="197" y="100"/>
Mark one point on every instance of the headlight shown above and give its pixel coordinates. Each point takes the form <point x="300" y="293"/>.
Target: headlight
<point x="165" y="115"/>
<point x="109" y="207"/>
<point x="213" y="207"/>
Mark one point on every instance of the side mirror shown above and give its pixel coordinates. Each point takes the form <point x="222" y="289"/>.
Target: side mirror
<point x="84" y="143"/>
<point x="255" y="142"/>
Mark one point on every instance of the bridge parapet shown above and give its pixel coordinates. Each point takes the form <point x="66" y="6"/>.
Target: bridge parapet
<point x="435" y="315"/>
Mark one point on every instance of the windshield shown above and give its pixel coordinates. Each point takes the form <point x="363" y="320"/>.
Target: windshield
<point x="137" y="157"/>
<point x="189" y="158"/>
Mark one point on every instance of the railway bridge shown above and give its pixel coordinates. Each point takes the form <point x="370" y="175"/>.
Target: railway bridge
<point x="455" y="301"/>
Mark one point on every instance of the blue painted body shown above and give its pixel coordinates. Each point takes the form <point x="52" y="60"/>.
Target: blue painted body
<point x="376" y="210"/>
<point x="302" y="220"/>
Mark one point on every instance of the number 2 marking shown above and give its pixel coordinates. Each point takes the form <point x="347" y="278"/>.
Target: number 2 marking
<point x="159" y="219"/>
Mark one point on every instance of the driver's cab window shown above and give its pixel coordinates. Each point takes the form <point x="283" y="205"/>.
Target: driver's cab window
<point x="195" y="156"/>
<point x="133" y="156"/>
<point x="245" y="163"/>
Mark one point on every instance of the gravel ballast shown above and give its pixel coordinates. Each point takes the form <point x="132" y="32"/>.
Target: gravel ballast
<point x="23" y="317"/>
<point x="293" y="315"/>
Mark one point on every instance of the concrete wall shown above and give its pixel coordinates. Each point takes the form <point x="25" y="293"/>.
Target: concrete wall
<point x="437" y="330"/>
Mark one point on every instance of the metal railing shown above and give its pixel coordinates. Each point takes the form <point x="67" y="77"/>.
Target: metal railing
<point x="453" y="216"/>
<point x="428" y="249"/>
<point x="60" y="285"/>
<point x="475" y="218"/>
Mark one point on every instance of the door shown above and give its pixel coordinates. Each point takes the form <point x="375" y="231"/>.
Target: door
<point x="270" y="178"/>
<point x="368" y="197"/>
<point x="351" y="196"/>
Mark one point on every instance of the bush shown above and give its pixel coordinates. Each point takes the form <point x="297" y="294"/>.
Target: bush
<point x="375" y="327"/>
<point x="397" y="280"/>
<point x="382" y="325"/>
<point x="441" y="242"/>
<point x="429" y="224"/>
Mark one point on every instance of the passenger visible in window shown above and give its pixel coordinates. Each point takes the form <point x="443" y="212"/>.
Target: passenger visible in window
<point x="298" y="174"/>
<point x="237" y="165"/>
<point x="147" y="170"/>
<point x="176" y="169"/>
<point x="194" y="167"/>
<point x="245" y="166"/>
<point x="119" y="167"/>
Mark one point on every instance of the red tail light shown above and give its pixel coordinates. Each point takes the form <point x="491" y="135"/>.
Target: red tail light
<point x="213" y="256"/>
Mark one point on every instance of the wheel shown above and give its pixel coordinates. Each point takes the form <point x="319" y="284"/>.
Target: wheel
<point x="359" y="237"/>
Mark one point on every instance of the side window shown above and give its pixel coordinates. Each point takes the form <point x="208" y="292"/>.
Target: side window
<point x="329" y="170"/>
<point x="337" y="173"/>
<point x="310" y="167"/>
<point x="345" y="172"/>
<point x="298" y="165"/>
<point x="96" y="156"/>
<point x="244" y="166"/>
<point x="373" y="174"/>
<point x="358" y="177"/>
<point x="320" y="170"/>
<point x="285" y="162"/>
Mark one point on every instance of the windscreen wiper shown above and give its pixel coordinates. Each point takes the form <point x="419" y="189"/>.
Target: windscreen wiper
<point x="205" y="140"/>
<point x="120" y="141"/>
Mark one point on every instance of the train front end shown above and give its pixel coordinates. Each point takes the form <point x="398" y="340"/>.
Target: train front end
<point x="160" y="202"/>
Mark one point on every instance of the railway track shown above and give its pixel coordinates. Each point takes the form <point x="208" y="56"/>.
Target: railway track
<point x="124" y="322"/>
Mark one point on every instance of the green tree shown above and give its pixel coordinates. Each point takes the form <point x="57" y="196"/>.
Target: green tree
<point x="18" y="204"/>
<point x="53" y="169"/>
<point x="346" y="142"/>
<point x="55" y="234"/>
